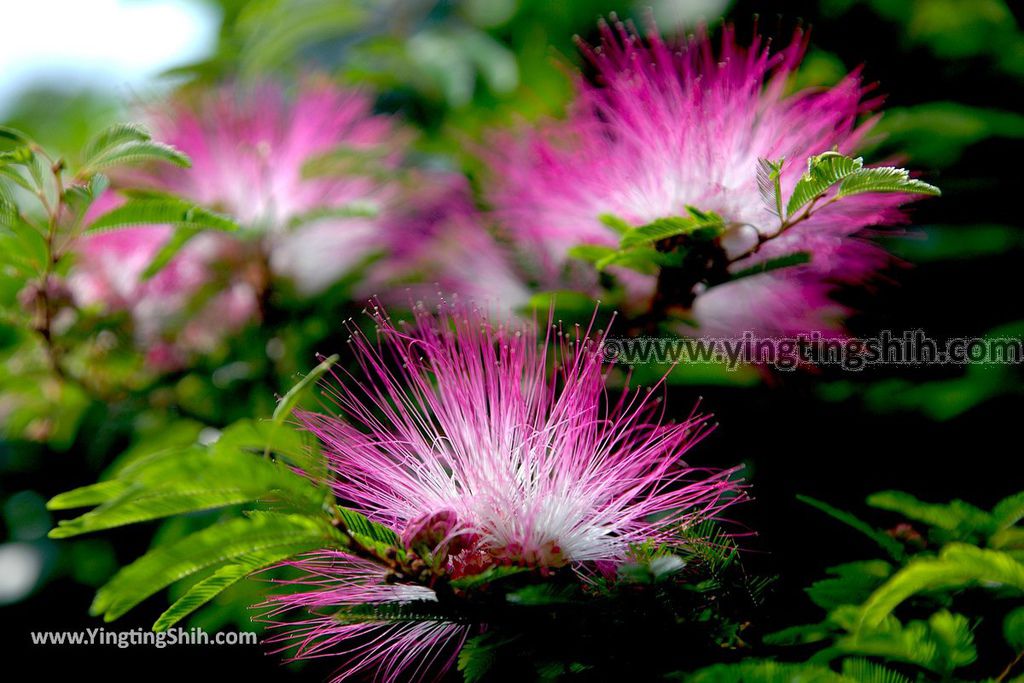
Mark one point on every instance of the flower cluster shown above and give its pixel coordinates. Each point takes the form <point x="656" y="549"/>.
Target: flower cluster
<point x="317" y="180"/>
<point x="661" y="127"/>
<point x="455" y="435"/>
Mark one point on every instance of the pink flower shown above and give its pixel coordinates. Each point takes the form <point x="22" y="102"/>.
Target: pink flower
<point x="251" y="151"/>
<point x="109" y="274"/>
<point x="454" y="255"/>
<point x="665" y="126"/>
<point x="455" y="436"/>
<point x="253" y="157"/>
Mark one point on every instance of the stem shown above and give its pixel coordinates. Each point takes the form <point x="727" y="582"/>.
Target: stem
<point x="45" y="304"/>
<point x="1010" y="667"/>
<point x="785" y="226"/>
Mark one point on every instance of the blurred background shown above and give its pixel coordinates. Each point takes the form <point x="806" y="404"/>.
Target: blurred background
<point x="456" y="69"/>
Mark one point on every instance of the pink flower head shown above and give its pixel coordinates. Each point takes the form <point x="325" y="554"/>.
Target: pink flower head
<point x="665" y="126"/>
<point x="109" y="272"/>
<point x="254" y="157"/>
<point x="251" y="152"/>
<point x="456" y="436"/>
<point x="457" y="254"/>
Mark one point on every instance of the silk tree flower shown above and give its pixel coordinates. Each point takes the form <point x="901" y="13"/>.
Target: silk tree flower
<point x="456" y="436"/>
<point x="255" y="156"/>
<point x="452" y="251"/>
<point x="664" y="126"/>
<point x="252" y="152"/>
<point x="108" y="275"/>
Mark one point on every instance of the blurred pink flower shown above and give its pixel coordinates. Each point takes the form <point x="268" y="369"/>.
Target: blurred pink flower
<point x="449" y="253"/>
<point x="109" y="274"/>
<point x="665" y="126"/>
<point x="251" y="152"/>
<point x="254" y="157"/>
<point x="456" y="436"/>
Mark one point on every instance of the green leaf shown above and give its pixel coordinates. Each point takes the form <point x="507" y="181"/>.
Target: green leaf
<point x="117" y="134"/>
<point x="591" y="253"/>
<point x="1013" y="629"/>
<point x="619" y="225"/>
<point x="766" y="672"/>
<point x="489" y="575"/>
<point x="566" y="304"/>
<point x="15" y="177"/>
<point x="288" y="402"/>
<point x="477" y="656"/>
<point x="823" y="171"/>
<point x="366" y="531"/>
<point x="958" y="566"/>
<point x="795" y="259"/>
<point x="961" y="519"/>
<point x="884" y="179"/>
<point x="941" y="644"/>
<point x="85" y="496"/>
<point x="211" y="547"/>
<point x="641" y="259"/>
<point x="181" y="481"/>
<point x="696" y="223"/>
<point x="14" y="135"/>
<point x="348" y="160"/>
<point x="886" y="542"/>
<point x="543" y="594"/>
<point x="801" y="635"/>
<point x="864" y="671"/>
<point x="29" y="241"/>
<point x="851" y="584"/>
<point x="162" y="211"/>
<point x="953" y="635"/>
<point x="354" y="209"/>
<point x="168" y="250"/>
<point x="1008" y="512"/>
<point x="256" y="435"/>
<point x="135" y="152"/>
<point x="768" y="185"/>
<point x="226" y="576"/>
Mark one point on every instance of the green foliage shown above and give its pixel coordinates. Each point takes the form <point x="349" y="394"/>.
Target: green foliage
<point x="486" y="577"/>
<point x="181" y="481"/>
<point x="1013" y="629"/>
<point x="696" y="223"/>
<point x="887" y="543"/>
<point x="639" y="248"/>
<point x="865" y="600"/>
<point x="851" y="584"/>
<point x="953" y="521"/>
<point x="162" y="211"/>
<point x="368" y="533"/>
<point x="691" y="242"/>
<point x="825" y="170"/>
<point x="794" y="259"/>
<point x="768" y="185"/>
<point x="477" y="656"/>
<point x="291" y="399"/>
<point x="126" y="144"/>
<point x="226" y="576"/>
<point x="958" y="565"/>
<point x="244" y="541"/>
<point x="853" y="671"/>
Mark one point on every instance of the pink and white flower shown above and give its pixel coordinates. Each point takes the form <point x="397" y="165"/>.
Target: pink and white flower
<point x="455" y="435"/>
<point x="662" y="126"/>
<point x="251" y="151"/>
